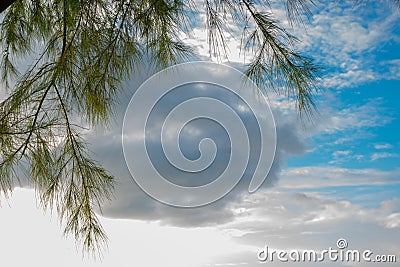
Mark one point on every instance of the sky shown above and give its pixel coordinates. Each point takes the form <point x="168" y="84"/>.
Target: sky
<point x="338" y="177"/>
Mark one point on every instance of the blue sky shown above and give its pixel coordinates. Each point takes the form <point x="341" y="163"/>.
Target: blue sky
<point x="370" y="92"/>
<point x="377" y="144"/>
<point x="337" y="178"/>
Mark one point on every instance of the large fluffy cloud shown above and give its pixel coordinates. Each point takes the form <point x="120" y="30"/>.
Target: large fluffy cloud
<point x="131" y="202"/>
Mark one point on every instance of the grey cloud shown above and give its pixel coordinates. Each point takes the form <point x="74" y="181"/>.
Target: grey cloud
<point x="132" y="202"/>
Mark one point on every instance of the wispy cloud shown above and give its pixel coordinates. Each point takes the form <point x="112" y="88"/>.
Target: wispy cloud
<point x="345" y="42"/>
<point x="349" y="120"/>
<point x="341" y="153"/>
<point x="383" y="155"/>
<point x="383" y="146"/>
<point x="342" y="156"/>
<point x="316" y="177"/>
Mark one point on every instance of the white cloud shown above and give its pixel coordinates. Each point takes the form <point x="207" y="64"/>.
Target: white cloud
<point x="31" y="238"/>
<point x="341" y="153"/>
<point x="342" y="140"/>
<point x="348" y="120"/>
<point x="343" y="40"/>
<point x="316" y="177"/>
<point x="273" y="217"/>
<point x="394" y="68"/>
<point x="383" y="155"/>
<point x="289" y="220"/>
<point x="383" y="146"/>
<point x="393" y="220"/>
<point x="342" y="156"/>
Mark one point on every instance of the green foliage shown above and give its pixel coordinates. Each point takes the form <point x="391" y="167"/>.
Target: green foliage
<point x="82" y="51"/>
